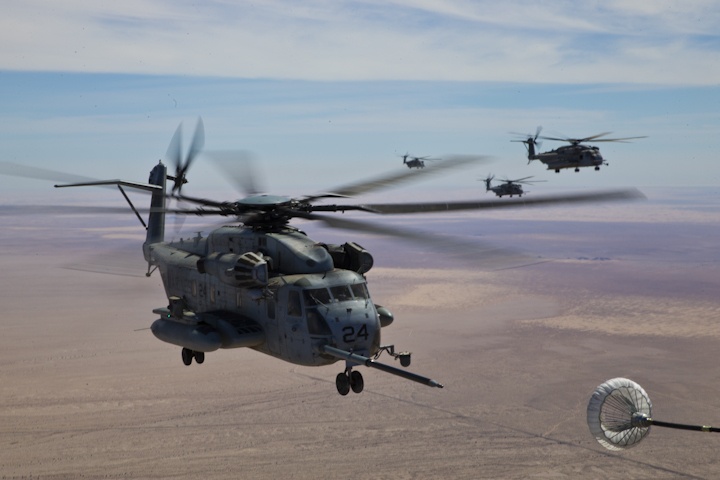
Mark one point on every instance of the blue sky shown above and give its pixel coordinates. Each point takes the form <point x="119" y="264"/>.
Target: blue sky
<point x="324" y="92"/>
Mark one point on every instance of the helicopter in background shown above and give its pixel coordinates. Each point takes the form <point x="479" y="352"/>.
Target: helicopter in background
<point x="508" y="187"/>
<point x="414" y="162"/>
<point x="261" y="283"/>
<point x="575" y="155"/>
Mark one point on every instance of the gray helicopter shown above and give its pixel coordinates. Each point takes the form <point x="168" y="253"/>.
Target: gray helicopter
<point x="414" y="162"/>
<point x="508" y="187"/>
<point x="263" y="284"/>
<point x="575" y="155"/>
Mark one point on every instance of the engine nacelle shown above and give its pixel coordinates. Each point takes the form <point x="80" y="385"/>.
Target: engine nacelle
<point x="351" y="256"/>
<point x="239" y="270"/>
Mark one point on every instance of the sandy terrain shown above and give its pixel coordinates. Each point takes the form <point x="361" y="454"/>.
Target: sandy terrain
<point x="88" y="392"/>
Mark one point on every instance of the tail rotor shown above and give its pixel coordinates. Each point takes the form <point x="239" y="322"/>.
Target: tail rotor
<point x="488" y="181"/>
<point x="530" y="142"/>
<point x="174" y="155"/>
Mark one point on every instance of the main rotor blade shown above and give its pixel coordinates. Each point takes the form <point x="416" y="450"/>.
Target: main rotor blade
<point x="239" y="169"/>
<point x="488" y="256"/>
<point x="37" y="173"/>
<point x="622" y="140"/>
<point x="593" y="137"/>
<point x="11" y="210"/>
<point x="28" y="209"/>
<point x="519" y="179"/>
<point x="395" y="178"/>
<point x="584" y="197"/>
<point x="199" y="201"/>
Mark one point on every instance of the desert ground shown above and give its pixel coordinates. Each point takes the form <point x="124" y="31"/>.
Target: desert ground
<point x="88" y="392"/>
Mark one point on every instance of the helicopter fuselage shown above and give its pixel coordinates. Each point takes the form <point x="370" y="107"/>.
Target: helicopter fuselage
<point x="508" y="189"/>
<point x="415" y="163"/>
<point x="571" y="156"/>
<point x="230" y="282"/>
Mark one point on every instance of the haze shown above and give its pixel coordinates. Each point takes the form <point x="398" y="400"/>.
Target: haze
<point x="325" y="94"/>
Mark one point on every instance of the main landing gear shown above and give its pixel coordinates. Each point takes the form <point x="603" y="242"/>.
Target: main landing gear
<point x="188" y="355"/>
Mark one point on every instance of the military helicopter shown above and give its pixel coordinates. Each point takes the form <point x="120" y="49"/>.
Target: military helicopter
<point x="574" y="156"/>
<point x="414" y="162"/>
<point x="263" y="284"/>
<point x="508" y="187"/>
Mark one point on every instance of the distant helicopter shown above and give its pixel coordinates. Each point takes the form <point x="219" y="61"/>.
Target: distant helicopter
<point x="263" y="284"/>
<point x="414" y="162"/>
<point x="508" y="187"/>
<point x="574" y="156"/>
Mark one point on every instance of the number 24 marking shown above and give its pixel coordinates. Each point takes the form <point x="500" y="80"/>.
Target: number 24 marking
<point x="350" y="336"/>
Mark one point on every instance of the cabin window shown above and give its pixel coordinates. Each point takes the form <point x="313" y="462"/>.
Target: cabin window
<point x="212" y="295"/>
<point x="194" y="288"/>
<point x="238" y="299"/>
<point x="294" y="307"/>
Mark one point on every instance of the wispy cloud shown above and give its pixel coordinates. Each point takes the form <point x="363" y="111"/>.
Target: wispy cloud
<point x="659" y="42"/>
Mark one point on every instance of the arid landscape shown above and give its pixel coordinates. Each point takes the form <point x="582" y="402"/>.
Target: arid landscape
<point x="88" y="392"/>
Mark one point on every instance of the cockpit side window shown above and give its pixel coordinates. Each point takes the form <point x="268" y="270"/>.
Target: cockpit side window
<point x="359" y="290"/>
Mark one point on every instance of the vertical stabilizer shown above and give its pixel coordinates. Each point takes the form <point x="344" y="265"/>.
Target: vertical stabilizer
<point x="156" y="220"/>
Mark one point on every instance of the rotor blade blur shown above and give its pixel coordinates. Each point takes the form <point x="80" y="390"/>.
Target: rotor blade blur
<point x="10" y="210"/>
<point x="173" y="156"/>
<point x="482" y="254"/>
<point x="197" y="144"/>
<point x="569" y="198"/>
<point x="239" y="169"/>
<point x="395" y="178"/>
<point x="37" y="173"/>
<point x="28" y="209"/>
<point x="593" y="137"/>
<point x="622" y="140"/>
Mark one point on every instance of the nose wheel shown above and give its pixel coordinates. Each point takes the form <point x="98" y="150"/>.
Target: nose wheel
<point x="349" y="380"/>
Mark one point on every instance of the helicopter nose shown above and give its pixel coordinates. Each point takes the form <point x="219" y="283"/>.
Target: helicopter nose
<point x="359" y="332"/>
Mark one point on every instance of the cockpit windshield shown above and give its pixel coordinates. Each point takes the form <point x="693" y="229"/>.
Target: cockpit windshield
<point x="339" y="293"/>
<point x="317" y="296"/>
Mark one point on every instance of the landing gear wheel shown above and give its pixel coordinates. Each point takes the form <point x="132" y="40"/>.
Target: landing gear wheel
<point x="597" y="168"/>
<point x="356" y="382"/>
<point x="342" y="382"/>
<point x="199" y="357"/>
<point x="187" y="356"/>
<point x="577" y="169"/>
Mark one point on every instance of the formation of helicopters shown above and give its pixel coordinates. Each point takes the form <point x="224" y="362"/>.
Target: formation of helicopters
<point x="576" y="155"/>
<point x="261" y="283"/>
